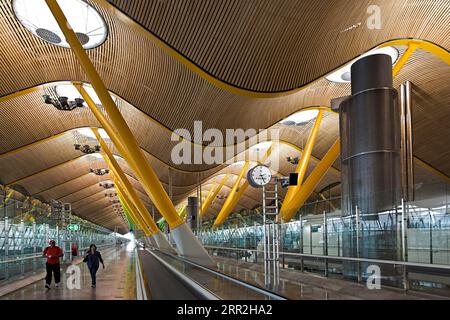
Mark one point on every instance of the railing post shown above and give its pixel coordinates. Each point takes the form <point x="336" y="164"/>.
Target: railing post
<point x="431" y="236"/>
<point x="301" y="243"/>
<point x="325" y="241"/>
<point x="6" y="246"/>
<point x="358" y="265"/>
<point x="404" y="246"/>
<point x="34" y="244"/>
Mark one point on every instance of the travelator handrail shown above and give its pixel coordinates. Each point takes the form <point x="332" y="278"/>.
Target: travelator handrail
<point x="41" y="256"/>
<point x="254" y="288"/>
<point x="200" y="291"/>
<point x="317" y="256"/>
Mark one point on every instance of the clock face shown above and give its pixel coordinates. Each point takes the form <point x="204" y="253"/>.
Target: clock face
<point x="259" y="176"/>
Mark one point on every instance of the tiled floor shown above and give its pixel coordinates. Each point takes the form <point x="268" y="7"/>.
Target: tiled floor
<point x="116" y="282"/>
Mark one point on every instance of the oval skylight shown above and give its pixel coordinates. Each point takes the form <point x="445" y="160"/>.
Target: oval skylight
<point x="86" y="22"/>
<point x="343" y="75"/>
<point x="261" y="146"/>
<point x="300" y="117"/>
<point x="69" y="91"/>
<point x="87" y="132"/>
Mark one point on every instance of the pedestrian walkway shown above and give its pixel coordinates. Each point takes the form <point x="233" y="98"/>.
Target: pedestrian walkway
<point x="116" y="282"/>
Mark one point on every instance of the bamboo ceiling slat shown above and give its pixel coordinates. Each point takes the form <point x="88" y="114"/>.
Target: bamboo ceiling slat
<point x="278" y="45"/>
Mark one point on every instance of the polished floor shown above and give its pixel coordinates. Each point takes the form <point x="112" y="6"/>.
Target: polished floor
<point x="116" y="282"/>
<point x="304" y="286"/>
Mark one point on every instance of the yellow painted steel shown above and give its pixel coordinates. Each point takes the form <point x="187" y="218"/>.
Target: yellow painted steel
<point x="311" y="182"/>
<point x="227" y="206"/>
<point x="210" y="192"/>
<point x="237" y="192"/>
<point x="125" y="183"/>
<point x="19" y="93"/>
<point x="412" y="47"/>
<point x="431" y="169"/>
<point x="209" y="201"/>
<point x="306" y="156"/>
<point x="131" y="208"/>
<point x="147" y="175"/>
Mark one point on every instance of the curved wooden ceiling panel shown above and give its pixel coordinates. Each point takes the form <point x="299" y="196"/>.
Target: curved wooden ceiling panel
<point x="277" y="45"/>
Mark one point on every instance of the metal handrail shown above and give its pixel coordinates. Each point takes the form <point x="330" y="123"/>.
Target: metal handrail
<point x="392" y="262"/>
<point x="229" y="278"/>
<point x="199" y="289"/>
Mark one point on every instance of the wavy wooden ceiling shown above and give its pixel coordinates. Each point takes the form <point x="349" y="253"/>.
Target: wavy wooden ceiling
<point x="265" y="46"/>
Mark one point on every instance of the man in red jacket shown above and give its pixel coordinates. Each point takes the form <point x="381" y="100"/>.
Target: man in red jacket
<point x="52" y="253"/>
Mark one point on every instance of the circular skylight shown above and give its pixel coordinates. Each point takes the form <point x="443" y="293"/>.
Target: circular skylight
<point x="69" y="91"/>
<point x="300" y="117"/>
<point x="86" y="22"/>
<point x="343" y="75"/>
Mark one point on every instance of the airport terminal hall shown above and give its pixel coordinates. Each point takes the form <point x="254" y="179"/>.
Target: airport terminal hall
<point x="262" y="153"/>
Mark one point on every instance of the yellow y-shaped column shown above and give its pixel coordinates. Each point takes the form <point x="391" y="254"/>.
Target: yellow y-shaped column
<point x="237" y="192"/>
<point x="211" y="198"/>
<point x="311" y="182"/>
<point x="304" y="161"/>
<point x="129" y="191"/>
<point x="186" y="242"/>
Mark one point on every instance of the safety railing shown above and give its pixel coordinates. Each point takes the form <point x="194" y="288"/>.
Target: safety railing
<point x="267" y="294"/>
<point x="214" y="250"/>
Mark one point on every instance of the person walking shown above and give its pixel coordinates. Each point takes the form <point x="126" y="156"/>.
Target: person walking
<point x="52" y="253"/>
<point x="93" y="259"/>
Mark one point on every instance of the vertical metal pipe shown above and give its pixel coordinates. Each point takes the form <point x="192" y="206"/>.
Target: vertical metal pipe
<point x="431" y="236"/>
<point x="325" y="241"/>
<point x="301" y="242"/>
<point x="404" y="246"/>
<point x="358" y="265"/>
<point x="404" y="141"/>
<point x="409" y="148"/>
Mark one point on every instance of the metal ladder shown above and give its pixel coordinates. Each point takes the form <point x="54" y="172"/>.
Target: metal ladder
<point x="271" y="235"/>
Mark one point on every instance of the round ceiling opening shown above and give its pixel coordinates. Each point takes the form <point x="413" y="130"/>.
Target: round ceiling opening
<point x="87" y="23"/>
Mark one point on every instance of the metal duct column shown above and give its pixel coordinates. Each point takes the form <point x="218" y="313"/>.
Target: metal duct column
<point x="370" y="140"/>
<point x="370" y="164"/>
<point x="192" y="212"/>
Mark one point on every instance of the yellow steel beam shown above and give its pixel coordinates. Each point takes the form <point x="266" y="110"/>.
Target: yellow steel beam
<point x="226" y="208"/>
<point x="112" y="133"/>
<point x="131" y="208"/>
<point x="311" y="182"/>
<point x="209" y="200"/>
<point x="210" y="192"/>
<point x="237" y="192"/>
<point x="128" y="188"/>
<point x="412" y="47"/>
<point x="19" y="93"/>
<point x="306" y="156"/>
<point x="134" y="154"/>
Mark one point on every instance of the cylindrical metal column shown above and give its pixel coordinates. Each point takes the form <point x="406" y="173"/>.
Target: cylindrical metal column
<point x="370" y="162"/>
<point x="192" y="212"/>
<point x="370" y="139"/>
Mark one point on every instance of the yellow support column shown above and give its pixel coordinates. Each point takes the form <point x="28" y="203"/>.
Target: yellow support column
<point x="151" y="182"/>
<point x="187" y="243"/>
<point x="129" y="191"/>
<point x="311" y="182"/>
<point x="412" y="47"/>
<point x="227" y="206"/>
<point x="210" y="192"/>
<point x="132" y="209"/>
<point x="211" y="198"/>
<point x="306" y="156"/>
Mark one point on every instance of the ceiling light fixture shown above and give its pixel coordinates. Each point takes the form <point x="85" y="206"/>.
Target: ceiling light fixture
<point x="343" y="75"/>
<point x="68" y="90"/>
<point x="86" y="22"/>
